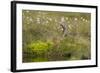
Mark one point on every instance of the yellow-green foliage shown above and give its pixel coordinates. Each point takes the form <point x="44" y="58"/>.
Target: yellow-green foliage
<point x="40" y="47"/>
<point x="39" y="59"/>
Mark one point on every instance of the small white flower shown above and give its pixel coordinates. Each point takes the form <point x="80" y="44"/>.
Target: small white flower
<point x="86" y="20"/>
<point x="31" y="19"/>
<point x="62" y="19"/>
<point x="66" y="18"/>
<point x="38" y="20"/>
<point x="27" y="17"/>
<point x="69" y="26"/>
<point x="55" y="20"/>
<point x="83" y="19"/>
<point x="75" y="19"/>
<point x="50" y="19"/>
<point x="27" y="11"/>
<point x="46" y="22"/>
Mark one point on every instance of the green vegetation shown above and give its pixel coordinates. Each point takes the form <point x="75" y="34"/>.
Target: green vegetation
<point x="55" y="36"/>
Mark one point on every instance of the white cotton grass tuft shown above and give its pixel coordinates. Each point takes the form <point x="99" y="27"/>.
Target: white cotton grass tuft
<point x="67" y="18"/>
<point x="27" y="11"/>
<point x="83" y="19"/>
<point x="75" y="19"/>
<point x="38" y="20"/>
<point x="30" y="19"/>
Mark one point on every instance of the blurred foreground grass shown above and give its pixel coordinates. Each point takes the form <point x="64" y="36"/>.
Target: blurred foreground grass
<point x="68" y="49"/>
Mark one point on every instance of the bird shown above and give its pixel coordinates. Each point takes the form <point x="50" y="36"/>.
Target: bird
<point x="63" y="25"/>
